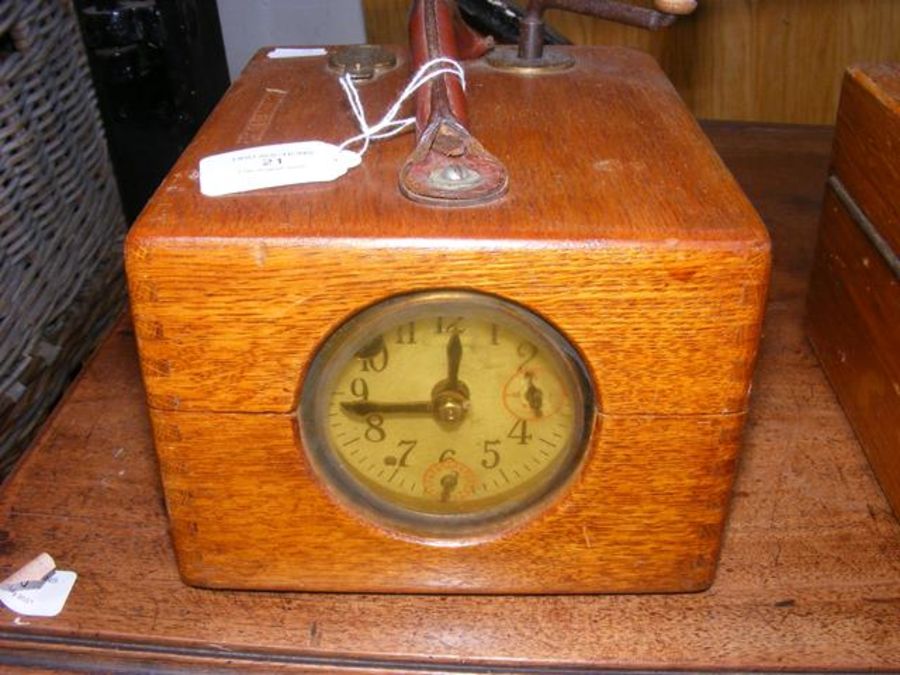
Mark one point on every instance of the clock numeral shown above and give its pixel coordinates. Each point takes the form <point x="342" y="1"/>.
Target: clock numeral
<point x="445" y="325"/>
<point x="374" y="431"/>
<point x="449" y="453"/>
<point x="360" y="389"/>
<point x="520" y="432"/>
<point x="491" y="457"/>
<point x="406" y="333"/>
<point x="374" y="356"/>
<point x="495" y="334"/>
<point x="526" y="351"/>
<point x="391" y="460"/>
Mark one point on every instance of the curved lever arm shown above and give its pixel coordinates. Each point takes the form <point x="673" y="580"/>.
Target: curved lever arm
<point x="531" y="33"/>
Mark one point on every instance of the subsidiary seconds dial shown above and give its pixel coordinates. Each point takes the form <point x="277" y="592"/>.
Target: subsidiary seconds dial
<point x="445" y="413"/>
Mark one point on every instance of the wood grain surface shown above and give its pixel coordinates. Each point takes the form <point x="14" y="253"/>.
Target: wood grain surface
<point x="662" y="332"/>
<point x="646" y="515"/>
<point x="854" y="307"/>
<point x="765" y="60"/>
<point x="809" y="576"/>
<point x="645" y="172"/>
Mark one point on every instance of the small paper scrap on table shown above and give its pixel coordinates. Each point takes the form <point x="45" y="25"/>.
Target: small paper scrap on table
<point x="296" y="53"/>
<point x="37" y="588"/>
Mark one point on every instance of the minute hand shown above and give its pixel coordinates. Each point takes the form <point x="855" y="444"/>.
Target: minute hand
<point x="454" y="356"/>
<point x="369" y="407"/>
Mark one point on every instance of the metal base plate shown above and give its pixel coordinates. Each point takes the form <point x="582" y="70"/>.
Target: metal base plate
<point x="507" y="58"/>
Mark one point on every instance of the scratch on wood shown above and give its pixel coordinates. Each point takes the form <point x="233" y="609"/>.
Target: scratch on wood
<point x="604" y="165"/>
<point x="843" y="478"/>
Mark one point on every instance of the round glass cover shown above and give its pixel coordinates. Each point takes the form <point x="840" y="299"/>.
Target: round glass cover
<point x="445" y="413"/>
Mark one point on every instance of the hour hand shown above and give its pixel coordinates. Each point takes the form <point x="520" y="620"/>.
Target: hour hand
<point x="363" y="408"/>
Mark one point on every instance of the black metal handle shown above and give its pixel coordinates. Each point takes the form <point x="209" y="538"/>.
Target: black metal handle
<point x="531" y="33"/>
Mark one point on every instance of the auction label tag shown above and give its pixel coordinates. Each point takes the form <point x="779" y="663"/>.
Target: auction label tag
<point x="273" y="166"/>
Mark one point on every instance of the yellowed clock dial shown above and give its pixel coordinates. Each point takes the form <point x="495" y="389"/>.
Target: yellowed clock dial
<point x="444" y="412"/>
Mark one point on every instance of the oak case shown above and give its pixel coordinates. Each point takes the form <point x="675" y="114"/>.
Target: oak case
<point x="621" y="227"/>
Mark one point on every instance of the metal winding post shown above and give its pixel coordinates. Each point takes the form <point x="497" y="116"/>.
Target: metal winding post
<point x="530" y="53"/>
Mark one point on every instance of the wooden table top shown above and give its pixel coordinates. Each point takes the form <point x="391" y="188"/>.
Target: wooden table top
<point x="809" y="576"/>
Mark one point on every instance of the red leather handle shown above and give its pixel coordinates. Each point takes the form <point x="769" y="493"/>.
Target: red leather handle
<point x="449" y="167"/>
<point x="437" y="30"/>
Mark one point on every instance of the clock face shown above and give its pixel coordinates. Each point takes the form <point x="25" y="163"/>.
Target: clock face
<point x="446" y="413"/>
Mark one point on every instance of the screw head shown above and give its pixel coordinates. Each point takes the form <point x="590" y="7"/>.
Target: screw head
<point x="454" y="177"/>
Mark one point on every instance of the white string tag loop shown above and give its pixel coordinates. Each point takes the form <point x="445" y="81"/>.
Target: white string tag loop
<point x="315" y="161"/>
<point x="389" y="125"/>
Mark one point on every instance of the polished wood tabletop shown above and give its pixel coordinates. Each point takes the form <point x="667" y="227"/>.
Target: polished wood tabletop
<point x="809" y="576"/>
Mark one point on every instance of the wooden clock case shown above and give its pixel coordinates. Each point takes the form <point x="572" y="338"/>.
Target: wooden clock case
<point x="621" y="227"/>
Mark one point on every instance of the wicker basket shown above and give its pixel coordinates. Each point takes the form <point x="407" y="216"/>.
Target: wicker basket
<point x="61" y="224"/>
